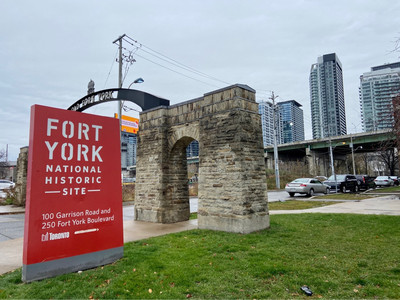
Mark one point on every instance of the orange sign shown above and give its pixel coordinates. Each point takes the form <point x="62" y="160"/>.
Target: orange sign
<point x="129" y="124"/>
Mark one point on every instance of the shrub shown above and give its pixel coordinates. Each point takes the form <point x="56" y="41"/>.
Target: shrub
<point x="128" y="192"/>
<point x="11" y="196"/>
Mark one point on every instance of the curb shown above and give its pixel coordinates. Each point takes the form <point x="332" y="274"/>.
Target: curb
<point x="11" y="210"/>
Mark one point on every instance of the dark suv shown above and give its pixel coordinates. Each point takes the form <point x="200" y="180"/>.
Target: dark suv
<point x="343" y="183"/>
<point x="365" y="182"/>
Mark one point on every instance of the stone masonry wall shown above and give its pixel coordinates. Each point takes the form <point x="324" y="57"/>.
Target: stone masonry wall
<point x="22" y="174"/>
<point x="232" y="182"/>
<point x="150" y="168"/>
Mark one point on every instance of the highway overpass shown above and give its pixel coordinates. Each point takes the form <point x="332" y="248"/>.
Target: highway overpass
<point x="315" y="153"/>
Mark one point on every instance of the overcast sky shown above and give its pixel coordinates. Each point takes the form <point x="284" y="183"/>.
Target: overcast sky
<point x="49" y="50"/>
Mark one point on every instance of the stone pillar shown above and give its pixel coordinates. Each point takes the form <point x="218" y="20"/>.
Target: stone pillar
<point x="232" y="179"/>
<point x="151" y="166"/>
<point x="22" y="174"/>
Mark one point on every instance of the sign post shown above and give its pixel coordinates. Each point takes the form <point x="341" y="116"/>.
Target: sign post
<point x="74" y="200"/>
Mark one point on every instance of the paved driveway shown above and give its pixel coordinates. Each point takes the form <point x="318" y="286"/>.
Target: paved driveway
<point x="386" y="205"/>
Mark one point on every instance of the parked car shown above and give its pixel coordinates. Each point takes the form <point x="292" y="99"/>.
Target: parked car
<point x="321" y="178"/>
<point x="365" y="182"/>
<point x="6" y="184"/>
<point x="384" y="181"/>
<point x="307" y="186"/>
<point x="395" y="180"/>
<point x="128" y="180"/>
<point x="343" y="183"/>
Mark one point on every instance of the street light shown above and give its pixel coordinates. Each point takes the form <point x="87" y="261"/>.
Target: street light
<point x="332" y="162"/>
<point x="139" y="80"/>
<point x="352" y="153"/>
<point x="274" y="120"/>
<point x="120" y="103"/>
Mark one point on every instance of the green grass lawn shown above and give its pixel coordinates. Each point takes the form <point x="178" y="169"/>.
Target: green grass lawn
<point x="297" y="204"/>
<point x="336" y="255"/>
<point x="392" y="189"/>
<point x="346" y="196"/>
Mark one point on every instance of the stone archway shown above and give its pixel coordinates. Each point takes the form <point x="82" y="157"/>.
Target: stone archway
<point x="232" y="180"/>
<point x="177" y="190"/>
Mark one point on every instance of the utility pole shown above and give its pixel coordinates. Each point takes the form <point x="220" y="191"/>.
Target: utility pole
<point x="352" y="155"/>
<point x="274" y="119"/>
<point x="331" y="156"/>
<point x="332" y="164"/>
<point x="120" y="79"/>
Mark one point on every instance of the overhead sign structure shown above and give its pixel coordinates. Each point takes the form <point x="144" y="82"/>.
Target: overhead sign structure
<point x="144" y="100"/>
<point x="129" y="124"/>
<point x="73" y="207"/>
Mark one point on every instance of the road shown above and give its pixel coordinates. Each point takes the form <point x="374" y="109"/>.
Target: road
<point x="12" y="226"/>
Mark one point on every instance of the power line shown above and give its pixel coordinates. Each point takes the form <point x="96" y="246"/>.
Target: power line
<point x="176" y="71"/>
<point x="129" y="61"/>
<point x="164" y="58"/>
<point x="108" y="76"/>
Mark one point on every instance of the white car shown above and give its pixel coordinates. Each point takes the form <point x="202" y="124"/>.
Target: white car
<point x="307" y="186"/>
<point x="6" y="184"/>
<point x="384" y="181"/>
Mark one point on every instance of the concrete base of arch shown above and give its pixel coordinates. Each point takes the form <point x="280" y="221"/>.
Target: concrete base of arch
<point x="238" y="224"/>
<point x="159" y="215"/>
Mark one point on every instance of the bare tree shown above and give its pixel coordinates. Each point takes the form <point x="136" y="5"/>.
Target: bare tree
<point x="3" y="163"/>
<point x="2" y="155"/>
<point x="390" y="158"/>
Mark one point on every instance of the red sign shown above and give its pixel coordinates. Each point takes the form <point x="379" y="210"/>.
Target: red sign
<point x="74" y="199"/>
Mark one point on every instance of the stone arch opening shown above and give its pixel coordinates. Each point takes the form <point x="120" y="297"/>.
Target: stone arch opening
<point x="177" y="189"/>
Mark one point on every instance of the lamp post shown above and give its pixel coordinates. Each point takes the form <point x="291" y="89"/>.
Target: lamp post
<point x="332" y="164"/>
<point x="352" y="154"/>
<point x="121" y="103"/>
<point x="274" y="120"/>
<point x="138" y="80"/>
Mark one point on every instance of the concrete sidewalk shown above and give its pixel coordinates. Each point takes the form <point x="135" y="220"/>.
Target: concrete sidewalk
<point x="386" y="205"/>
<point x="11" y="209"/>
<point x="11" y="250"/>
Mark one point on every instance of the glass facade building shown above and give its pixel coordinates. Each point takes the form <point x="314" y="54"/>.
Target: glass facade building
<point x="327" y="97"/>
<point x="193" y="149"/>
<point x="265" y="109"/>
<point x="376" y="91"/>
<point x="128" y="149"/>
<point x="291" y="122"/>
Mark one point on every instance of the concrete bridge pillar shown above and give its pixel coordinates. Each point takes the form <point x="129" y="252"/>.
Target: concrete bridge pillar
<point x="318" y="164"/>
<point x="311" y="162"/>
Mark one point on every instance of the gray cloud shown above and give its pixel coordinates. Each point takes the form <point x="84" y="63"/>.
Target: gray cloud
<point x="49" y="50"/>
